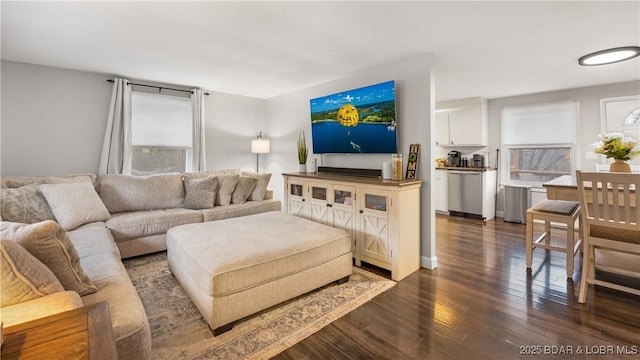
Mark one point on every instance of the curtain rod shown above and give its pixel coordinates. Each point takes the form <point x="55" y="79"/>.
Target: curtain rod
<point x="157" y="87"/>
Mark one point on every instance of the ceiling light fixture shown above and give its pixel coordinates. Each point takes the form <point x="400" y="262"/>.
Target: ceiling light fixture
<point x="610" y="56"/>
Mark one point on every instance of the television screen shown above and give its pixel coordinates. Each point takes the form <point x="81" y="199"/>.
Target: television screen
<point x="356" y="121"/>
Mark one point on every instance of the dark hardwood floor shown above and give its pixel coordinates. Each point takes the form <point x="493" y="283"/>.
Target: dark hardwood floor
<point x="481" y="303"/>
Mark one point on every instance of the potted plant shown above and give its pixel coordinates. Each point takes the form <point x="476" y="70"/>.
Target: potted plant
<point x="303" y="152"/>
<point x="615" y="145"/>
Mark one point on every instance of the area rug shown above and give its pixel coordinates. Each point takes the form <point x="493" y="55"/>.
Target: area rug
<point x="178" y="331"/>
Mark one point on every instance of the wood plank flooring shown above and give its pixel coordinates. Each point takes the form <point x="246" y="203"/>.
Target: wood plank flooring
<point x="481" y="303"/>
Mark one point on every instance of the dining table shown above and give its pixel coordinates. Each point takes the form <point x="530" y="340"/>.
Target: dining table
<point x="564" y="187"/>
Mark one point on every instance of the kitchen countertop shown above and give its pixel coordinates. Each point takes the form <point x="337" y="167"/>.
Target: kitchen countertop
<point x="464" y="168"/>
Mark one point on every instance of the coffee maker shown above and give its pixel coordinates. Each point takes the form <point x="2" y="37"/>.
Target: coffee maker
<point x="453" y="158"/>
<point x="478" y="161"/>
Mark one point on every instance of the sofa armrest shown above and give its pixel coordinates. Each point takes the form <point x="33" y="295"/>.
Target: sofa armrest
<point x="40" y="307"/>
<point x="268" y="195"/>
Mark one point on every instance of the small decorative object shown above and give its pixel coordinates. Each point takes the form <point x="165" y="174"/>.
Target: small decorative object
<point x="619" y="147"/>
<point x="387" y="170"/>
<point x="396" y="163"/>
<point x="303" y="152"/>
<point x="412" y="161"/>
<point x="441" y="162"/>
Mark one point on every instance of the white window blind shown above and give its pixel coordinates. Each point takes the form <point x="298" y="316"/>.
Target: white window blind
<point x="549" y="123"/>
<point x="538" y="142"/>
<point x="161" y="121"/>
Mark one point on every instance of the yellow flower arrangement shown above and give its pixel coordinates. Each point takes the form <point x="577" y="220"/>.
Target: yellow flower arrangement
<point x="616" y="145"/>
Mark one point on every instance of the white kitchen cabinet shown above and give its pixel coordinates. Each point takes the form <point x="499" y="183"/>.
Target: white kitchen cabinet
<point x="442" y="128"/>
<point x="464" y="124"/>
<point x="440" y="185"/>
<point x="382" y="215"/>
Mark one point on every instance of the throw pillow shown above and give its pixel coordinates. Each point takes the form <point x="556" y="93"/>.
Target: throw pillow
<point x="243" y="189"/>
<point x="207" y="173"/>
<point x="74" y="204"/>
<point x="23" y="276"/>
<point x="51" y="245"/>
<point x="24" y="205"/>
<point x="261" y="186"/>
<point x="226" y="185"/>
<point x="200" y="193"/>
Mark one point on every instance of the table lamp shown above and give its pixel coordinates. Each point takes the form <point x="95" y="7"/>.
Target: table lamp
<point x="259" y="146"/>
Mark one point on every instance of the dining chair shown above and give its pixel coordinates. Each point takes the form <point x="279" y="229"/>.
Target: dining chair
<point x="611" y="220"/>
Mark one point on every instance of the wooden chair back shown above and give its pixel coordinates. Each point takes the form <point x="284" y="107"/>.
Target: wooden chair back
<point x="610" y="199"/>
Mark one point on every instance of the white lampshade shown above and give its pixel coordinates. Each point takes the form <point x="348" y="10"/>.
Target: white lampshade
<point x="260" y="146"/>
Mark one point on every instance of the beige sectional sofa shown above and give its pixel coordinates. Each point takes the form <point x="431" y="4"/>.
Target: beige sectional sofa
<point x="117" y="217"/>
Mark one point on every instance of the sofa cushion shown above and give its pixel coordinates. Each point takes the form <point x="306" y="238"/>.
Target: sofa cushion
<point x="131" y="225"/>
<point x="25" y="204"/>
<point x="200" y="193"/>
<point x="19" y="181"/>
<point x="23" y="276"/>
<point x="124" y="193"/>
<point x="260" y="190"/>
<point x="50" y="244"/>
<point x="128" y="318"/>
<point x="93" y="239"/>
<point x="243" y="189"/>
<point x="226" y="185"/>
<point x="236" y="210"/>
<point x="74" y="204"/>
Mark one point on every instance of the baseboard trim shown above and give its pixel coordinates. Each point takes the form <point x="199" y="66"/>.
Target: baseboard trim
<point x="429" y="263"/>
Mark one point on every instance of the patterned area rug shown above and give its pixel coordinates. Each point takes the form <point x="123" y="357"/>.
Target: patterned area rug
<point x="178" y="330"/>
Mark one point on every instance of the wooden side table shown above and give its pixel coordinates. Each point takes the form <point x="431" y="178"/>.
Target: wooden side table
<point x="83" y="333"/>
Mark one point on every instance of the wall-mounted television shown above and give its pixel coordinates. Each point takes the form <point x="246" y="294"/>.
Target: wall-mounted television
<point x="356" y="121"/>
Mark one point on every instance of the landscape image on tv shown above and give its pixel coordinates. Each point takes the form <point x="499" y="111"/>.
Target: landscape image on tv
<point x="356" y="121"/>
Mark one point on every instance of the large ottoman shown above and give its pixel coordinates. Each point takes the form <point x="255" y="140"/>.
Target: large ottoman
<point x="236" y="267"/>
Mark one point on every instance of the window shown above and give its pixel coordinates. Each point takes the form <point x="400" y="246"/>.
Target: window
<point x="161" y="133"/>
<point x="538" y="164"/>
<point x="538" y="142"/>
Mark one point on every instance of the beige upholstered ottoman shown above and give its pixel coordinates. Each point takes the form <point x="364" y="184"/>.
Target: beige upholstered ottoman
<point x="236" y="267"/>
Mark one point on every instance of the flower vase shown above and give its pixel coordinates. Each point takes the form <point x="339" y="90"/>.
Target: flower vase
<point x="302" y="168"/>
<point x="619" y="166"/>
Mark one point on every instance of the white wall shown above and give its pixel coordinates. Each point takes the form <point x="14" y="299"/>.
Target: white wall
<point x="52" y="120"/>
<point x="231" y="122"/>
<point x="289" y="114"/>
<point x="588" y="126"/>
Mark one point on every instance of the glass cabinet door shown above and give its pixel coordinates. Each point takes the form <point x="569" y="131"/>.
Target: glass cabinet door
<point x="296" y="189"/>
<point x="375" y="202"/>
<point x="374" y="229"/>
<point x="319" y="193"/>
<point x="343" y="197"/>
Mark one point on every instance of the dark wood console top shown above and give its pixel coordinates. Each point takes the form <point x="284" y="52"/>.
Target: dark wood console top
<point x="359" y="179"/>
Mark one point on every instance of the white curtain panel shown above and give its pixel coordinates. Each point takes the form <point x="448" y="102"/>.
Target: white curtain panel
<point x="198" y="159"/>
<point x="116" y="148"/>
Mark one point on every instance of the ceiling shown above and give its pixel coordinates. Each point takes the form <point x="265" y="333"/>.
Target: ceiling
<point x="264" y="49"/>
